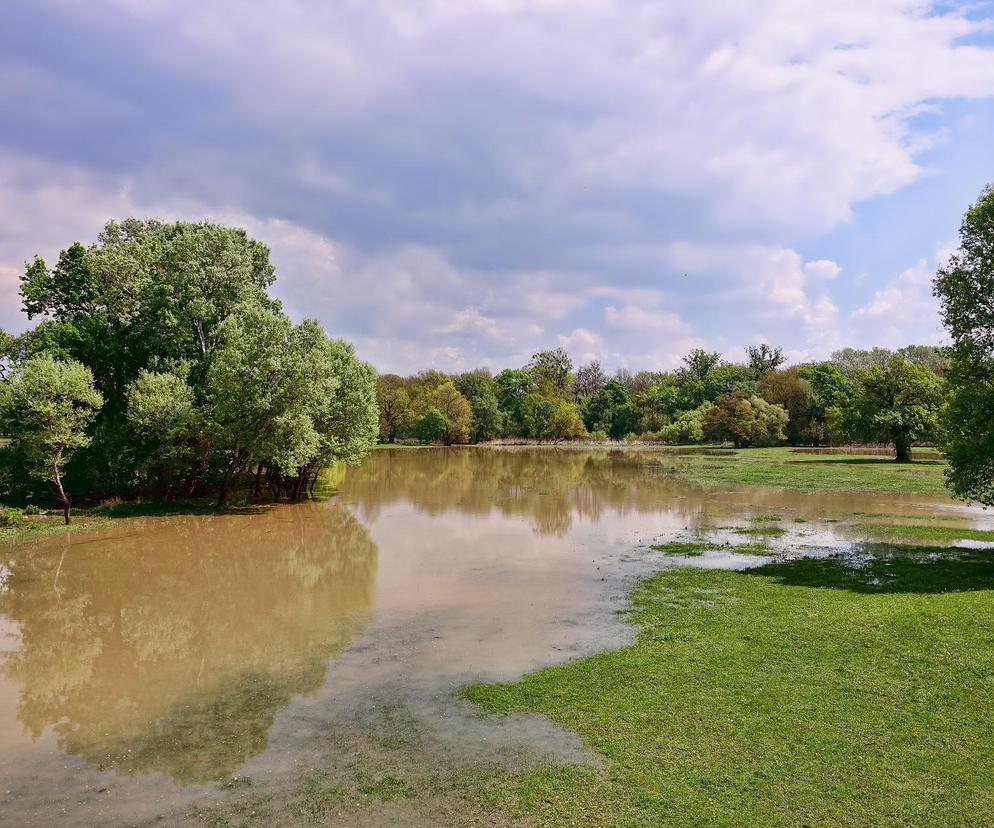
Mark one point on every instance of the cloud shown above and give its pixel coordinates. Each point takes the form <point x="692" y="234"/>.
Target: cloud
<point x="904" y="309"/>
<point x="469" y="181"/>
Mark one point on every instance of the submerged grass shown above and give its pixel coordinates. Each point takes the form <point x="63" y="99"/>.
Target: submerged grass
<point x="761" y="530"/>
<point x="808" y="692"/>
<point x="686" y="548"/>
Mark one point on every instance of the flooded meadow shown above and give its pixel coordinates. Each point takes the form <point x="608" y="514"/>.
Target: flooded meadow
<point x="157" y="668"/>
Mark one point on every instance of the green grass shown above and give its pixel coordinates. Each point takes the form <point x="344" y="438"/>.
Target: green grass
<point x="927" y="532"/>
<point x="781" y="468"/>
<point x="806" y="692"/>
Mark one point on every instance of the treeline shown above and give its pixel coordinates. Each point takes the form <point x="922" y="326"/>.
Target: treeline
<point x="162" y="365"/>
<point x="871" y="395"/>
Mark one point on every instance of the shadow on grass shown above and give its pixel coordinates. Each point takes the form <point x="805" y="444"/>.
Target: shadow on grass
<point x="890" y="568"/>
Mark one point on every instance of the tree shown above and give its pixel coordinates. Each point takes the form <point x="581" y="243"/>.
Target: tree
<point x="851" y="360"/>
<point x="10" y="350"/>
<point x="202" y="373"/>
<point x="554" y="419"/>
<point x="764" y="358"/>
<point x="965" y="287"/>
<point x="456" y="411"/>
<point x="552" y="369"/>
<point x="696" y="378"/>
<point x="831" y="390"/>
<point x="260" y="394"/>
<point x="345" y="419"/>
<point x="936" y="357"/>
<point x="791" y="391"/>
<point x="431" y="426"/>
<point x="656" y="406"/>
<point x="564" y="422"/>
<point x="478" y="389"/>
<point x="163" y="413"/>
<point x="745" y="420"/>
<point x="611" y="410"/>
<point x="896" y="403"/>
<point x="511" y="386"/>
<point x="589" y="379"/>
<point x="394" y="404"/>
<point x="688" y="427"/>
<point x="46" y="407"/>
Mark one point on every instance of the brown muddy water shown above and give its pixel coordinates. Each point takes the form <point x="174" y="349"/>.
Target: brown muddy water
<point x="148" y="668"/>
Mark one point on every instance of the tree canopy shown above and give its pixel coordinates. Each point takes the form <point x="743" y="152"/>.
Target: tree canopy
<point x="965" y="287"/>
<point x="202" y="376"/>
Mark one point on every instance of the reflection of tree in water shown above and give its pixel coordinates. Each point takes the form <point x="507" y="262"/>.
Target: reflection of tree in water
<point x="172" y="649"/>
<point x="550" y="487"/>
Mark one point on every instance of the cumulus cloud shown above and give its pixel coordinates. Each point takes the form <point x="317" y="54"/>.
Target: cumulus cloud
<point x="904" y="309"/>
<point x="459" y="182"/>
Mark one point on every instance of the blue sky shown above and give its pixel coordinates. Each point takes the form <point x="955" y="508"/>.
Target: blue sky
<point x="454" y="183"/>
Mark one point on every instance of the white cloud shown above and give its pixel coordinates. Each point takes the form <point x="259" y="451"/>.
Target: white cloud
<point x="904" y="310"/>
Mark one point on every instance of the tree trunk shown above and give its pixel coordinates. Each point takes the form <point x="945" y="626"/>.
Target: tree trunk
<point x="63" y="499"/>
<point x="903" y="451"/>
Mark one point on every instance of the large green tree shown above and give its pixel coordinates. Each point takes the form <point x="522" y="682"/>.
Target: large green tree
<point x="965" y="286"/>
<point x="611" y="410"/>
<point x="203" y="374"/>
<point x="896" y="403"/>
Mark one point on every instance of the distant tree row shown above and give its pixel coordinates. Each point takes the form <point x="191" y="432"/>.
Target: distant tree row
<point x="161" y="365"/>
<point x="877" y="396"/>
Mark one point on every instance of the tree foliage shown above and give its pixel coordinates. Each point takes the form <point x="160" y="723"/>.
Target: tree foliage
<point x="45" y="408"/>
<point x="896" y="403"/>
<point x="745" y="420"/>
<point x="965" y="287"/>
<point x="203" y="376"/>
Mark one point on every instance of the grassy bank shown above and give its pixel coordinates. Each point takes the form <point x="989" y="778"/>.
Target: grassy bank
<point x="799" y="693"/>
<point x="783" y="468"/>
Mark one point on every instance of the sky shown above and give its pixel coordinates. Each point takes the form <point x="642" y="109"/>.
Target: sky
<point x="457" y="183"/>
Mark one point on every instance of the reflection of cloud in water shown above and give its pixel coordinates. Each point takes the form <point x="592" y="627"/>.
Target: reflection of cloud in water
<point x="173" y="648"/>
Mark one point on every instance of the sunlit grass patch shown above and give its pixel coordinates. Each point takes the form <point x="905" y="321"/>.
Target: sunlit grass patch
<point x="830" y="692"/>
<point x="928" y="532"/>
<point x="779" y="468"/>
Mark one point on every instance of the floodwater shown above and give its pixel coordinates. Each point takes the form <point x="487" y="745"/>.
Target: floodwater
<point x="145" y="666"/>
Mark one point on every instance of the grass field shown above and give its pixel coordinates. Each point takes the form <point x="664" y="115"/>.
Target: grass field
<point x="782" y="468"/>
<point x="800" y="693"/>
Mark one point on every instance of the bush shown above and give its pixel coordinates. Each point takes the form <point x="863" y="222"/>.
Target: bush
<point x="10" y="517"/>
<point x="32" y="509"/>
<point x="598" y="436"/>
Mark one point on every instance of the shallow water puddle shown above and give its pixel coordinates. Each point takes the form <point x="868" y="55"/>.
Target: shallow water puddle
<point x="147" y="665"/>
